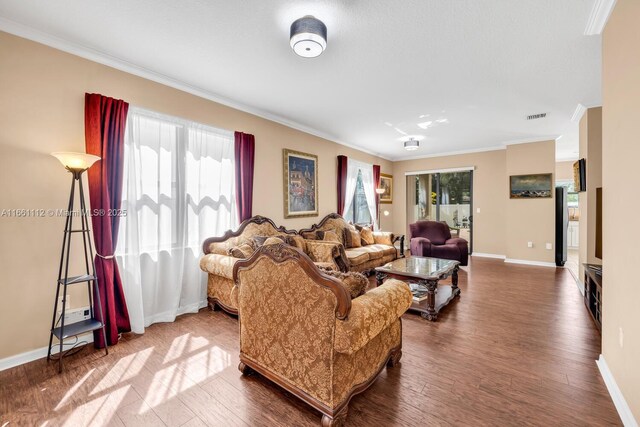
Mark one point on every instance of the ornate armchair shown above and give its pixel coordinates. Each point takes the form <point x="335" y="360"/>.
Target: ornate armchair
<point x="433" y="239"/>
<point x="300" y="328"/>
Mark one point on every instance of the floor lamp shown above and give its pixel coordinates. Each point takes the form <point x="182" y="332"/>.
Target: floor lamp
<point x="379" y="192"/>
<point x="76" y="164"/>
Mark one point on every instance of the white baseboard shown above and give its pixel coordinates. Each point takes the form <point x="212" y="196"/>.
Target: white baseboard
<point x="616" y="395"/>
<point x="38" y="353"/>
<point x="527" y="262"/>
<point x="483" y="255"/>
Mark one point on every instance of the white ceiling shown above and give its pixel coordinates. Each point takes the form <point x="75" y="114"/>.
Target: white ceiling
<point x="477" y="66"/>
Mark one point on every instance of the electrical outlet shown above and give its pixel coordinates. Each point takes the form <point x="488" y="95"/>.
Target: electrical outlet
<point x="549" y="246"/>
<point x="529" y="244"/>
<point x="621" y="338"/>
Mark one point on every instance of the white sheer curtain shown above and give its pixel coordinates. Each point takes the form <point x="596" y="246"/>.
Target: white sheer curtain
<point x="353" y="167"/>
<point x="369" y="192"/>
<point x="179" y="189"/>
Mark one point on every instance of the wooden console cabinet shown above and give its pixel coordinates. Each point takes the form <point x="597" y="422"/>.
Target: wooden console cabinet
<point x="593" y="292"/>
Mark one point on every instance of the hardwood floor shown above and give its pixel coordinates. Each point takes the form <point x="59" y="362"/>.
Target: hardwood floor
<point x="518" y="348"/>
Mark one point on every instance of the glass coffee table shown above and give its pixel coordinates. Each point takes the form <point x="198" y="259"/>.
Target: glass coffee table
<point x="426" y="273"/>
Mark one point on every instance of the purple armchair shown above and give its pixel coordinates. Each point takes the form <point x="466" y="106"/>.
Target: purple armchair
<point x="433" y="239"/>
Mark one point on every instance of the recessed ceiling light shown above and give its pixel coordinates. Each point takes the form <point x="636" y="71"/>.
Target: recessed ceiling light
<point x="308" y="37"/>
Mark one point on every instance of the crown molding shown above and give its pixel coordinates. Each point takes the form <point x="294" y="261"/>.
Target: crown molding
<point x="531" y="140"/>
<point x="599" y="16"/>
<point x="450" y="153"/>
<point x="578" y="113"/>
<point x="94" y="55"/>
<point x="571" y="158"/>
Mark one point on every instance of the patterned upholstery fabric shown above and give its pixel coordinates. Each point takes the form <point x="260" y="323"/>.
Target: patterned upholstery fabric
<point x="370" y="314"/>
<point x="368" y="265"/>
<point x="383" y="238"/>
<point x="223" y="290"/>
<point x="289" y="327"/>
<point x="360" y="259"/>
<point x="250" y="231"/>
<point x="244" y="250"/>
<point x="359" y="367"/>
<point x="355" y="282"/>
<point x="220" y="265"/>
<point x="367" y="236"/>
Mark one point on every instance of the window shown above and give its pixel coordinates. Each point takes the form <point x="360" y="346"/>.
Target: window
<point x="359" y="212"/>
<point x="178" y="189"/>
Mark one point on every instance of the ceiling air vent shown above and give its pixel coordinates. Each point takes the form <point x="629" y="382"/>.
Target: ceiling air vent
<point x="537" y="116"/>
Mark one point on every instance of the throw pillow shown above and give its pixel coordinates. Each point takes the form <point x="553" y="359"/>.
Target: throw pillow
<point x="298" y="242"/>
<point x="244" y="250"/>
<point x="309" y="235"/>
<point x="356" y="283"/>
<point x="367" y="236"/>
<point x="273" y="240"/>
<point x="352" y="239"/>
<point x="383" y="238"/>
<point x="260" y="240"/>
<point x="330" y="236"/>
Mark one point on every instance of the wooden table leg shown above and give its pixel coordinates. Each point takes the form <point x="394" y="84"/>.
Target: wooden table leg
<point x="431" y="313"/>
<point x="380" y="278"/>
<point x="454" y="282"/>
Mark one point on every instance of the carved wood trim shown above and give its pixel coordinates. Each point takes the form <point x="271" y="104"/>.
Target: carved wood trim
<point x="216" y="301"/>
<point x="393" y="356"/>
<point x="282" y="252"/>
<point x="258" y="219"/>
<point x="317" y="226"/>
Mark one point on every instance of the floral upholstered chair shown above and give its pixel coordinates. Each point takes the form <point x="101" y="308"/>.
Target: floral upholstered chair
<point x="301" y="329"/>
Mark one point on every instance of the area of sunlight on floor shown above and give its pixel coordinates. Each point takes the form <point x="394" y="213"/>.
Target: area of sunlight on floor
<point x="157" y="378"/>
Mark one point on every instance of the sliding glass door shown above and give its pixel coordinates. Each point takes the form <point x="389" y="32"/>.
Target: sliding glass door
<point x="443" y="196"/>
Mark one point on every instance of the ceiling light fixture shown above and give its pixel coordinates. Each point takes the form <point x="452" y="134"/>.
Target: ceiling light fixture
<point x="308" y="36"/>
<point x="411" y="144"/>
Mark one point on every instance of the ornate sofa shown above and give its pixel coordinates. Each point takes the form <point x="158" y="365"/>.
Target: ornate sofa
<point x="360" y="259"/>
<point x="433" y="239"/>
<point x="300" y="328"/>
<point x="218" y="262"/>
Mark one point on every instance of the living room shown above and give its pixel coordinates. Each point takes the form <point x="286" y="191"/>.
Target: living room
<point x="207" y="136"/>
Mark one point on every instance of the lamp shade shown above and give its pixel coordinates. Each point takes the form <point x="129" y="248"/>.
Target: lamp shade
<point x="380" y="190"/>
<point x="308" y="37"/>
<point x="75" y="161"/>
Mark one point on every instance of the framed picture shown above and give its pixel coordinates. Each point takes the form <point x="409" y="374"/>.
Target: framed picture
<point x="386" y="182"/>
<point x="300" y="184"/>
<point x="538" y="186"/>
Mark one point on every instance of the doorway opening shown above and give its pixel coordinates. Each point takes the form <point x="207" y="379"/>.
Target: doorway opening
<point x="445" y="195"/>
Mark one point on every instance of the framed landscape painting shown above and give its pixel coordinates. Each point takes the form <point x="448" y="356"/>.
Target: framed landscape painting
<point x="538" y="186"/>
<point x="300" y="184"/>
<point x="386" y="182"/>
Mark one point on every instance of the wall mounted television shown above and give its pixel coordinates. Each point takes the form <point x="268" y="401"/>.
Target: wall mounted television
<point x="580" y="175"/>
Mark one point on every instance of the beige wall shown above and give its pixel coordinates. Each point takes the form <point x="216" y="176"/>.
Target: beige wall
<point x="489" y="190"/>
<point x="530" y="220"/>
<point x="503" y="226"/>
<point x="564" y="171"/>
<point x="620" y="178"/>
<point x="42" y="110"/>
<point x="590" y="132"/>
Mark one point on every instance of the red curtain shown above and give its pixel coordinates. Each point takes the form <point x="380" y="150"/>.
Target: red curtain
<point x="104" y="121"/>
<point x="376" y="185"/>
<point x="245" y="146"/>
<point x="342" y="182"/>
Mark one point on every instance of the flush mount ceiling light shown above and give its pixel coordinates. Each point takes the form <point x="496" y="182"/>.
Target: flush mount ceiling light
<point x="308" y="36"/>
<point x="411" y="144"/>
